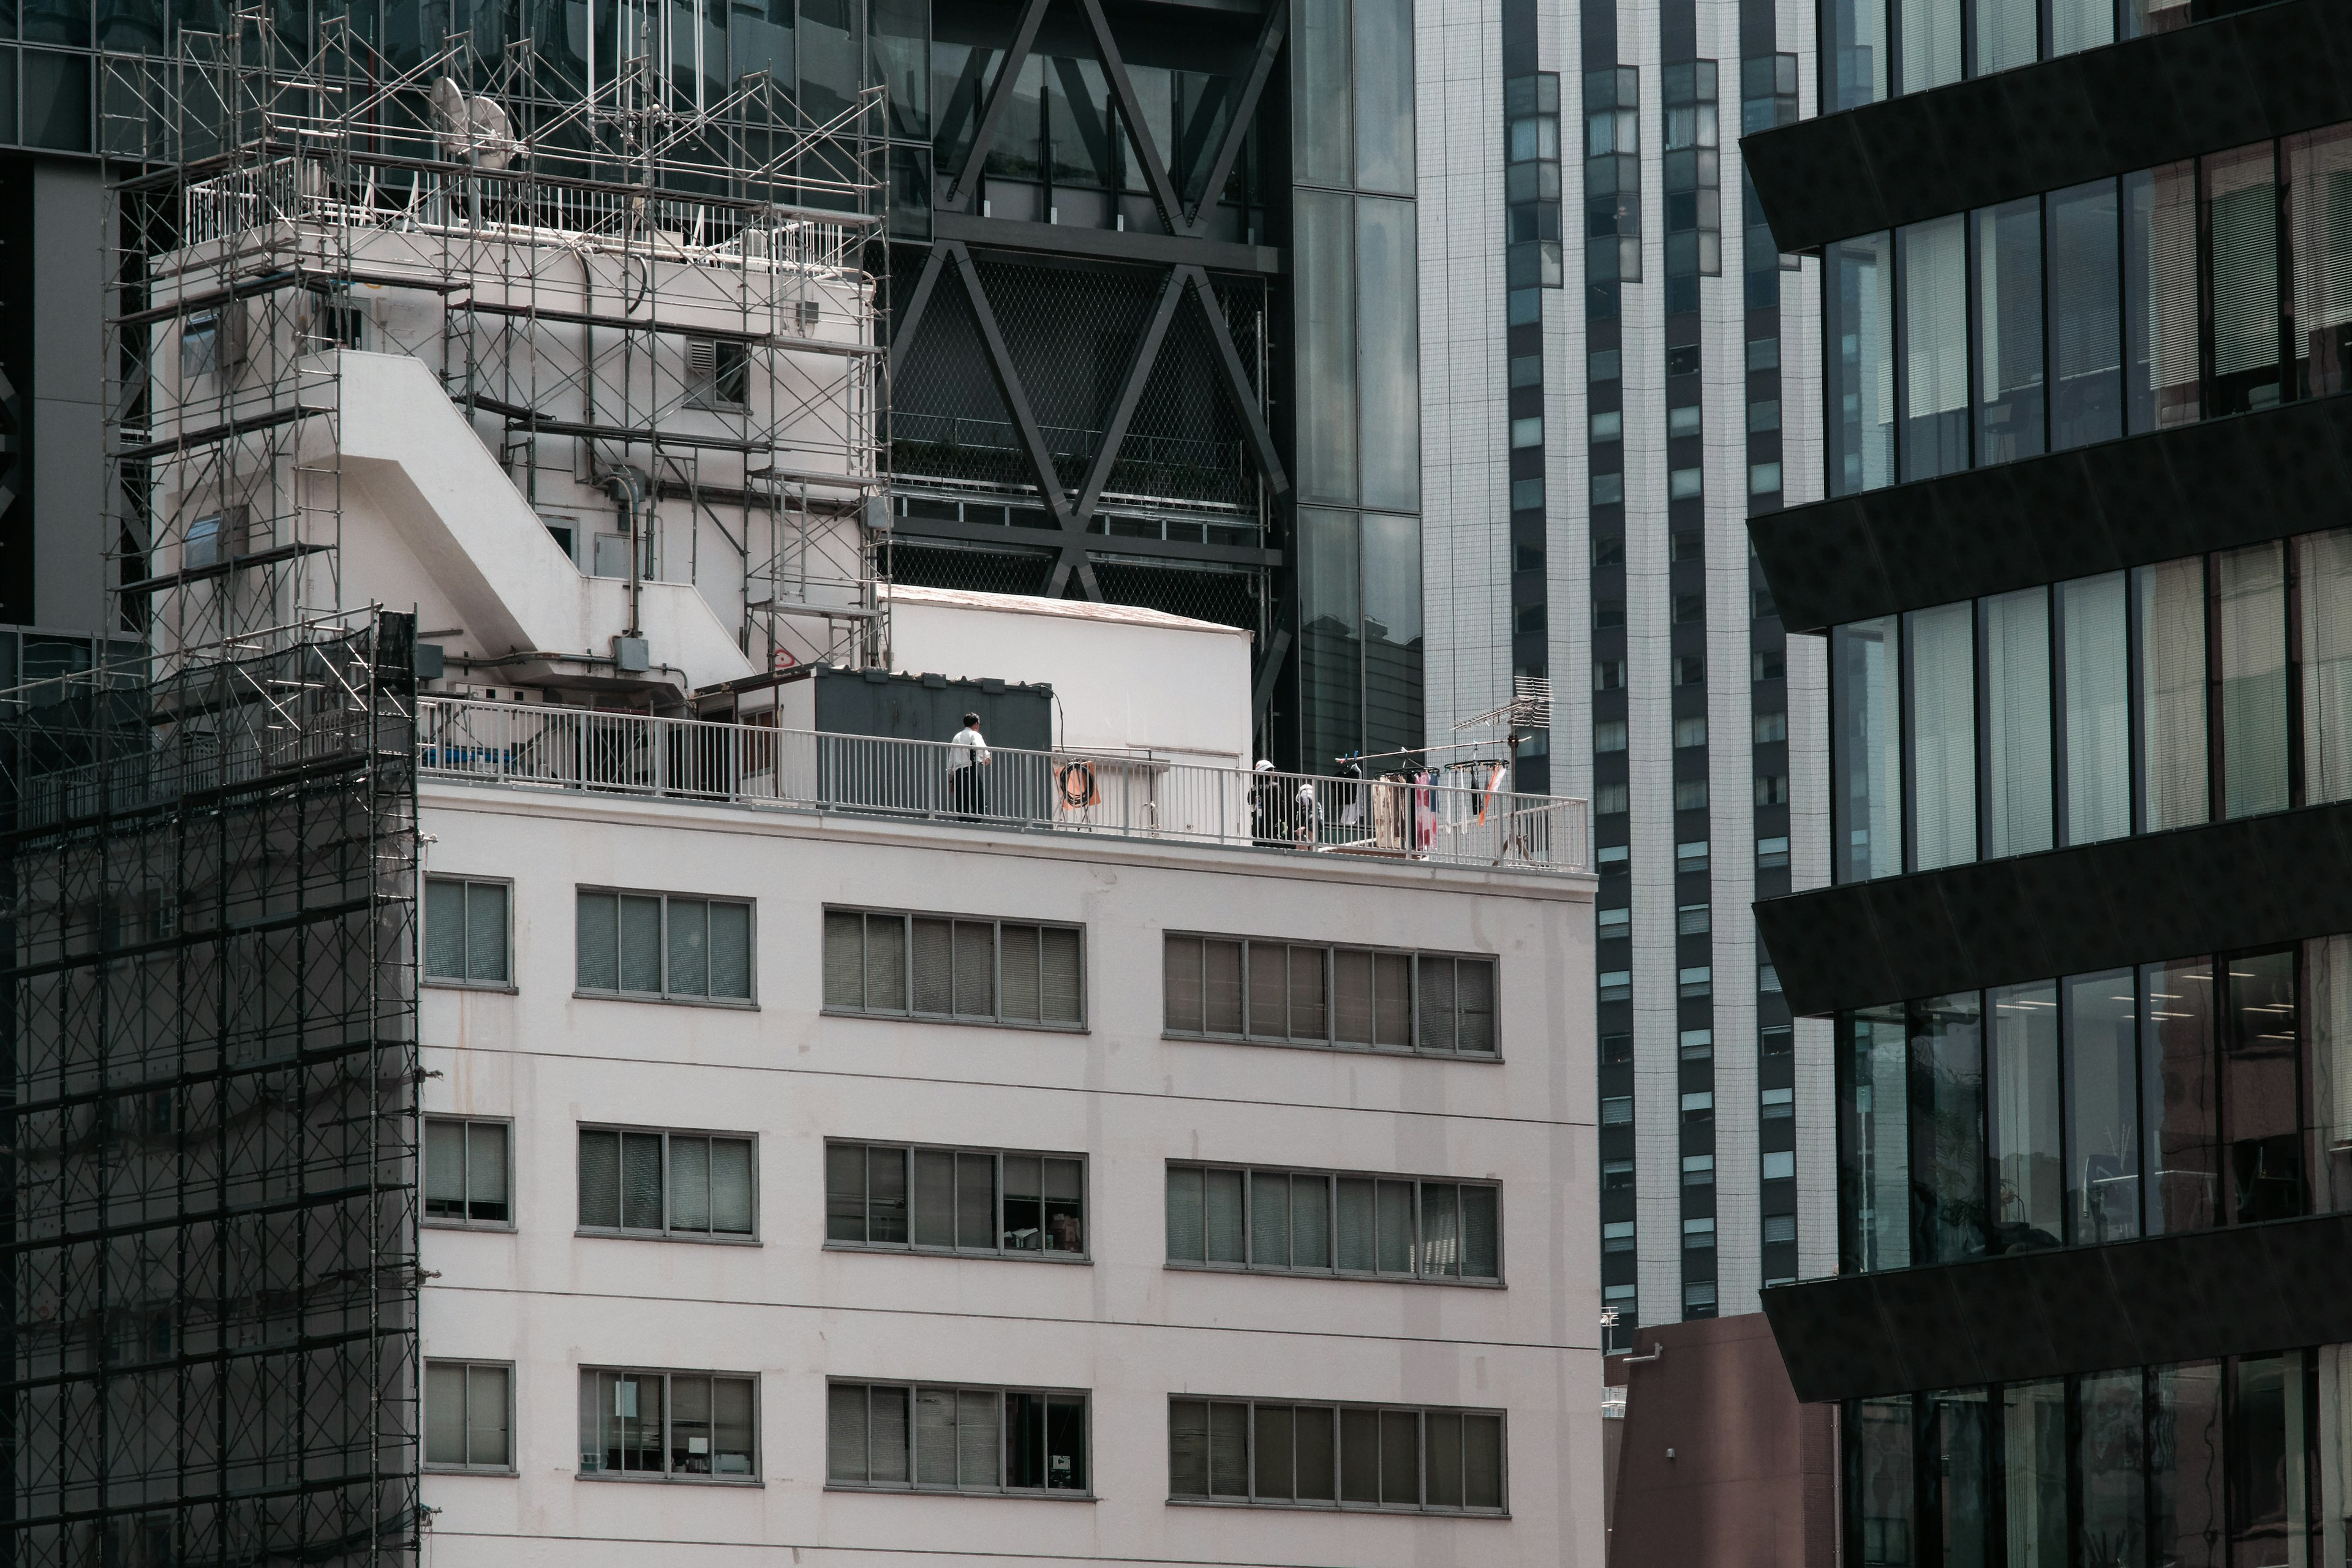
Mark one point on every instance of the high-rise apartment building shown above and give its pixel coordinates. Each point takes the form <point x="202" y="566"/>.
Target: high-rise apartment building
<point x="1617" y="363"/>
<point x="2082" y="578"/>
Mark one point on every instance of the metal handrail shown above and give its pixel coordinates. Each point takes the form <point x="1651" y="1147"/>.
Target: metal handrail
<point x="1113" y="795"/>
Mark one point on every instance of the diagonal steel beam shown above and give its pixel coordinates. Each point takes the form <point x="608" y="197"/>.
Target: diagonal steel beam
<point x="1269" y="44"/>
<point x="1138" y="376"/>
<point x="1024" y="426"/>
<point x="1130" y="110"/>
<point x="984" y="135"/>
<point x="903" y="335"/>
<point x="1237" y="379"/>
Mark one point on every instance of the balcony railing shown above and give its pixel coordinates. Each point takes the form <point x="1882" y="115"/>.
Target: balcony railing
<point x="1113" y="796"/>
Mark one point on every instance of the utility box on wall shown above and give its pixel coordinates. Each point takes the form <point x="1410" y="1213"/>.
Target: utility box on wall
<point x="931" y="707"/>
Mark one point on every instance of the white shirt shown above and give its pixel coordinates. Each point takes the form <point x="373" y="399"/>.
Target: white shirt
<point x="971" y="747"/>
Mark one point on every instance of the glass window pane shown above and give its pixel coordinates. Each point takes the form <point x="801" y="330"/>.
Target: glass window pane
<point x="690" y="1425"/>
<point x="1320" y="114"/>
<point x="1311" y="1427"/>
<point x="2319" y="169"/>
<point x="1393" y="1000"/>
<point x="1065" y="1442"/>
<point x="1271" y="1446"/>
<point x="2241" y="215"/>
<point x="978" y="1221"/>
<point x="1357" y="1226"/>
<point x="1388" y="345"/>
<point x="1325" y="262"/>
<point x="1360" y="1456"/>
<point x="1065" y="1206"/>
<point x="730" y="1186"/>
<point x="1024" y="1204"/>
<point x="444" y="928"/>
<point x="641" y="1181"/>
<point x="1436" y="977"/>
<point x="1062" y="982"/>
<point x="1188" y="1448"/>
<point x="2018" y="820"/>
<point x="1384" y="95"/>
<point x="485" y="1172"/>
<point x="1943" y="713"/>
<point x="1269" y="1239"/>
<point x="2113" y="1463"/>
<point x="1229" y="1450"/>
<point x="980" y="1440"/>
<point x="2259" y="1116"/>
<point x="1443" y="1477"/>
<point x="1874" y="1147"/>
<point x="1221" y="1197"/>
<point x="1392" y="647"/>
<point x="1401" y="1459"/>
<point x="1947" y="1128"/>
<point x="1269" y="990"/>
<point x="885" y="1195"/>
<point x="975" y="969"/>
<point x="1331" y="652"/>
<point x="1307" y="963"/>
<point x="2184" y="1460"/>
<point x="935" y="1437"/>
<point x="886" y="1444"/>
<point x="1482" y="1461"/>
<point x="444" y="1170"/>
<point x="488" y="1440"/>
<point x="2085" y="314"/>
<point x="599" y="938"/>
<point x="689" y="1184"/>
<point x="2172" y="692"/>
<point x="1440" y="1253"/>
<point x="2268" y="1451"/>
<point x="1960" y="1473"/>
<point x="1929" y="43"/>
<point x="2329" y="962"/>
<point x="1882" y="1486"/>
<point x="1352" y="985"/>
<point x="2176" y="1076"/>
<point x="2103" y="1200"/>
<point x="1224" y="987"/>
<point x="731" y="951"/>
<point x="2028" y="1161"/>
<point x="1933" y="258"/>
<point x="1858" y="280"/>
<point x="886" y="962"/>
<point x="641" y="944"/>
<point x="1853" y="53"/>
<point x="844" y="1191"/>
<point x="2008" y="241"/>
<point x="732" y="1437"/>
<point x="2252" y="608"/>
<point x="2008" y="34"/>
<point x="845" y="1432"/>
<point x="934" y="966"/>
<point x="600" y="1180"/>
<point x="2324" y="578"/>
<point x="932" y="1223"/>
<point x="2081" y="24"/>
<point x="1396" y="1227"/>
<point x="2033" y="1459"/>
<point x="2164" y="384"/>
<point x="1310" y="1221"/>
<point x="485" y="931"/>
<point x="1180" y="981"/>
<point x="1018" y="955"/>
<point x="1482" y="1241"/>
<point x="2097" y="643"/>
<point x="1474" y="982"/>
<point x="444" y="1413"/>
<point x="1867" y="746"/>
<point x="1186" y="1243"/>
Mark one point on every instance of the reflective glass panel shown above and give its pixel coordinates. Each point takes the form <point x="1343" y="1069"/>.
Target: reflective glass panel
<point x="2018" y="817"/>
<point x="2008" y="241"/>
<point x="2026" y="1145"/>
<point x="2085" y="316"/>
<point x="1935" y="265"/>
<point x="1943" y="716"/>
<point x="2176" y="1080"/>
<point x="2103" y="1200"/>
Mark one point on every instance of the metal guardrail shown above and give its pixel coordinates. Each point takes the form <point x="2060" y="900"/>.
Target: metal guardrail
<point x="1116" y="796"/>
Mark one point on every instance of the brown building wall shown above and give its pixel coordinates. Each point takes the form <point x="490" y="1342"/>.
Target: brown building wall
<point x="1718" y="1466"/>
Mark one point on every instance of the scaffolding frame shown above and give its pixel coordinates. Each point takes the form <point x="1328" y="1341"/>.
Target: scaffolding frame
<point x="213" y="1220"/>
<point x="673" y="304"/>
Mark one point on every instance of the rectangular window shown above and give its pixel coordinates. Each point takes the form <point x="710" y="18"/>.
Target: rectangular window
<point x="991" y="1202"/>
<point x="467" y="1173"/>
<point x="1943" y="719"/>
<point x="465" y="931"/>
<point x="2018" y="817"/>
<point x="970" y="970"/>
<point x="2174" y="787"/>
<point x="2251" y="608"/>
<point x="1696" y="982"/>
<point x="2008" y="336"/>
<point x="1858" y="284"/>
<point x="2241" y="197"/>
<point x="2319" y="169"/>
<point x="665" y="946"/>
<point x="1866" y="750"/>
<point x="669" y="1425"/>
<point x="1698" y="1170"/>
<point x="2324" y="578"/>
<point x="1323" y="1222"/>
<point x="2093" y="614"/>
<point x="1355" y="998"/>
<point x="469" y="1415"/>
<point x="1933" y="258"/>
<point x="650" y="1181"/>
<point x="2085" y="320"/>
<point x="927" y="1437"/>
<point x="2028" y="1153"/>
<point x="1335" y="1455"/>
<point x="1779" y="1165"/>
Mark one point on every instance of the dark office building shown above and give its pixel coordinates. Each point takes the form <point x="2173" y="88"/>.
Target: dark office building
<point x="2087" y="586"/>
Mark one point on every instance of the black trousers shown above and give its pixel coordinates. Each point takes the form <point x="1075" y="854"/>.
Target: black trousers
<point x="964" y="791"/>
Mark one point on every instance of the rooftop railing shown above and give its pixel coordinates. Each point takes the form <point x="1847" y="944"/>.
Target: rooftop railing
<point x="1114" y="795"/>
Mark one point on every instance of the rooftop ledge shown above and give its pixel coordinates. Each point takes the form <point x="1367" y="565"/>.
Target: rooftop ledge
<point x="1114" y="795"/>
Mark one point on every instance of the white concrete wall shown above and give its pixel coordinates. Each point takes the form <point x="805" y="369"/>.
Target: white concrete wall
<point x="1123" y="1326"/>
<point x="1124" y="679"/>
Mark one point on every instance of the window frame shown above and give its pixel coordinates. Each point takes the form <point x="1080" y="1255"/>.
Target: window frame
<point x="910" y="1246"/>
<point x="996" y="1392"/>
<point x="1414" y="956"/>
<point x="1338" y="1408"/>
<point x="1331" y="1226"/>
<point x="669" y="1477"/>
<point x="444" y="1467"/>
<point x="666" y="1233"/>
<point x="751" y="959"/>
<point x="467" y="1221"/>
<point x="424" y="975"/>
<point x="996" y="924"/>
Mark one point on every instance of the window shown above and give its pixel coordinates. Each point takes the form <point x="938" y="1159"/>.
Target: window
<point x="1690" y="794"/>
<point x="1610" y="800"/>
<point x="1616" y="1176"/>
<point x="212" y="341"/>
<point x="1762" y="416"/>
<point x="1322" y="1222"/>
<point x="1617" y="1236"/>
<point x="986" y="1201"/>
<point x="1776" y="1104"/>
<point x="1614" y="923"/>
<point x="1767" y="978"/>
<point x="1353" y="998"/>
<point x="1691" y="856"/>
<point x="1617" y="1110"/>
<point x="1335" y="1455"/>
<point x="1697" y="1044"/>
<point x="717" y="373"/>
<point x="1607" y="489"/>
<point x="1691" y="731"/>
<point x="649" y="1182"/>
<point x="1698" y="1297"/>
<point x="1780" y="1227"/>
<point x="1698" y="981"/>
<point x="1609" y="734"/>
<point x="1617" y="1049"/>
<point x="1698" y="1170"/>
<point x="669" y="1425"/>
<point x="978" y="971"/>
<point x="1771" y="727"/>
<point x="1775" y="1040"/>
<point x="1693" y="919"/>
<point x="1616" y="984"/>
<point x="1698" y="1232"/>
<point x="1772" y="853"/>
<point x="1607" y="425"/>
<point x="1683" y="484"/>
<point x="465" y="927"/>
<point x="1771" y="789"/>
<point x="1779" y="1165"/>
<point x="1698" y="1107"/>
<point x="1763" y="480"/>
<point x="901" y="1436"/>
<point x="467" y="1167"/>
<point x="1527" y="432"/>
<point x="665" y="946"/>
<point x="468" y="1415"/>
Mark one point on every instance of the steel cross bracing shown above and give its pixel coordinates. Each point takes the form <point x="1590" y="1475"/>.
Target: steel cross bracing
<point x="211" y="1231"/>
<point x="1073" y="510"/>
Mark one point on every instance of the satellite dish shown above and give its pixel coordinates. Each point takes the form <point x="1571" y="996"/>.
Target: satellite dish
<point x="471" y="129"/>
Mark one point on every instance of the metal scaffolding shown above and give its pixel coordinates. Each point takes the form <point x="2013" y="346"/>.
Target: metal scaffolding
<point x="212" y="1133"/>
<point x="657" y="310"/>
